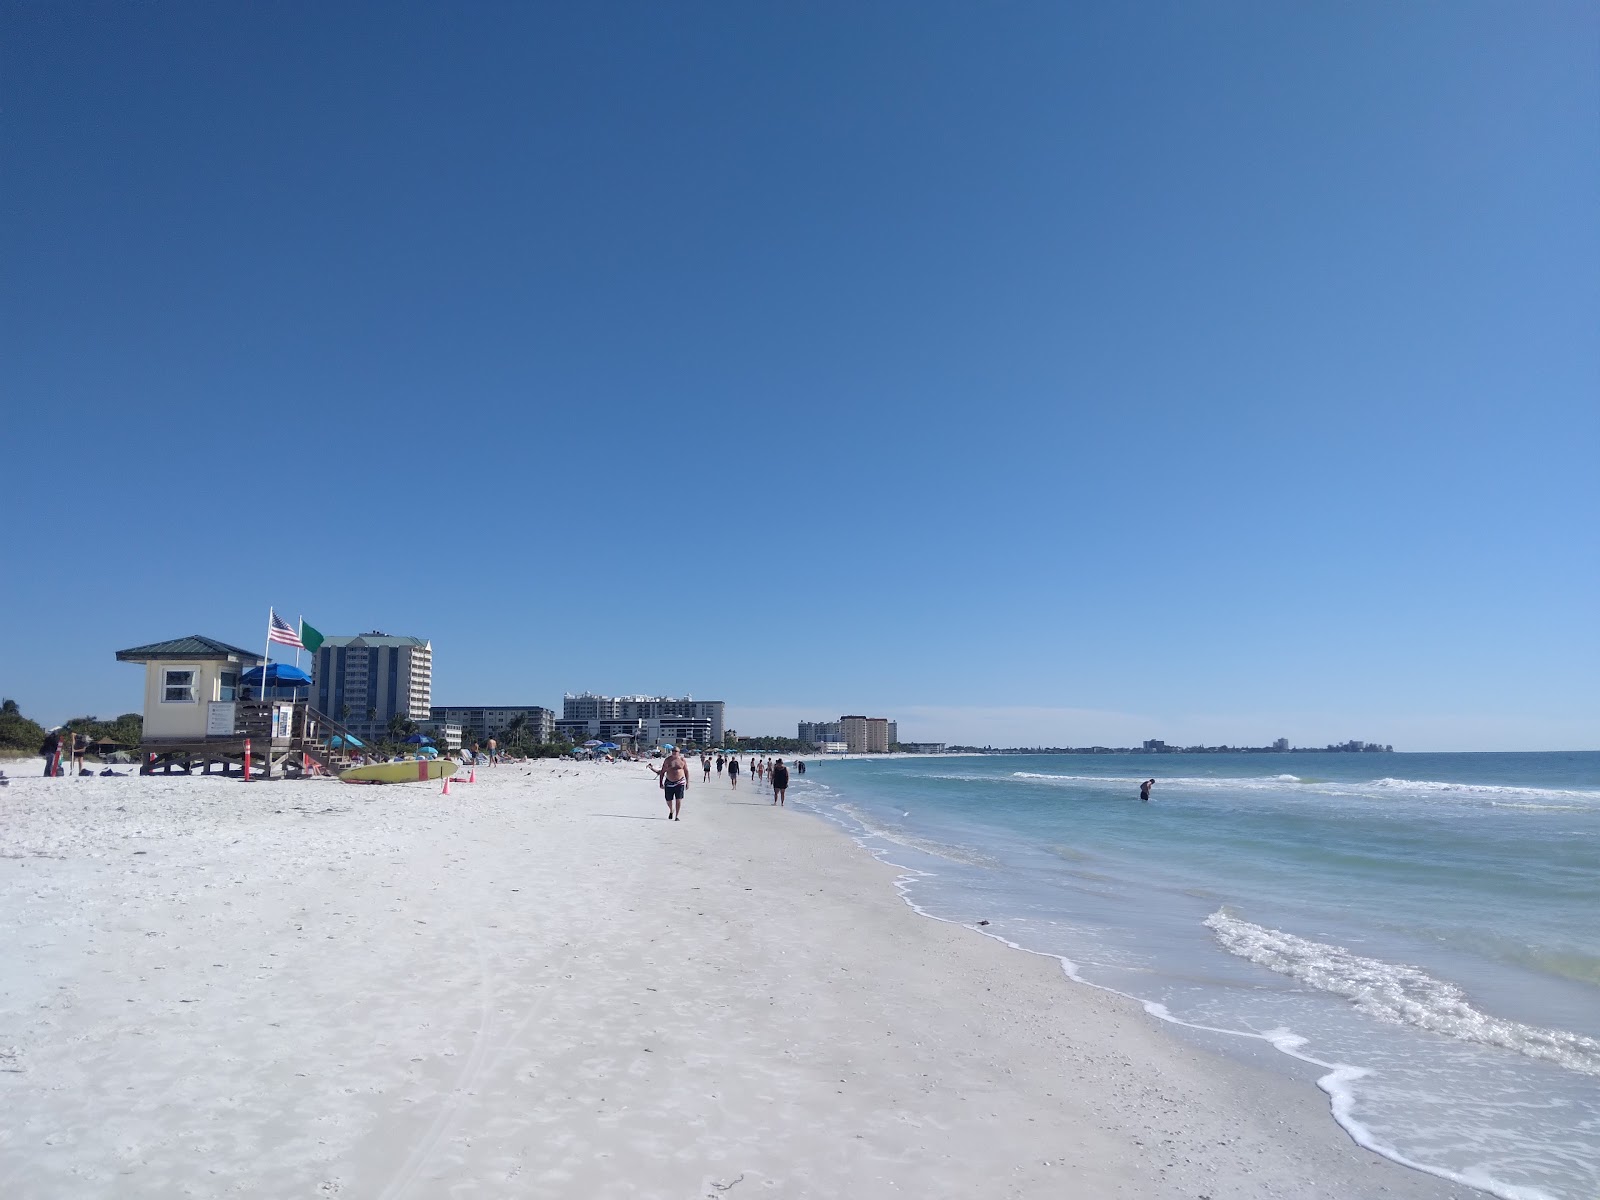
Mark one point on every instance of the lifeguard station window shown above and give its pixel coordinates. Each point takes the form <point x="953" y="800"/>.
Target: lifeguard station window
<point x="177" y="687"/>
<point x="228" y="686"/>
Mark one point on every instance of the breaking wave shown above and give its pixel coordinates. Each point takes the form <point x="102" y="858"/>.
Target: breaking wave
<point x="1399" y="993"/>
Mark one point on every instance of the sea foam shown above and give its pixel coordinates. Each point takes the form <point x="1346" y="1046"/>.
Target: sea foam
<point x="1399" y="993"/>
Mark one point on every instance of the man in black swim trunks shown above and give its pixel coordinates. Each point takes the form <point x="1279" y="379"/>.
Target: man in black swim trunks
<point x="675" y="782"/>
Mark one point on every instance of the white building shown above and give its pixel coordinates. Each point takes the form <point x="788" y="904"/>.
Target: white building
<point x="665" y="711"/>
<point x="482" y="722"/>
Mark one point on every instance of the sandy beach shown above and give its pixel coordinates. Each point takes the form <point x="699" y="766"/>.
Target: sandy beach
<point x="537" y="986"/>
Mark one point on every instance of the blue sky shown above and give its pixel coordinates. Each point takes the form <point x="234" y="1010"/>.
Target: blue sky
<point x="1030" y="372"/>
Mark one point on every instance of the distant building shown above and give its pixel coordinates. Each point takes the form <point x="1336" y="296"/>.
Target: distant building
<point x="922" y="747"/>
<point x="446" y="735"/>
<point x="866" y="735"/>
<point x="1281" y="744"/>
<point x="1154" y="746"/>
<point x="480" y="723"/>
<point x="814" y="733"/>
<point x="366" y="680"/>
<point x="653" y="719"/>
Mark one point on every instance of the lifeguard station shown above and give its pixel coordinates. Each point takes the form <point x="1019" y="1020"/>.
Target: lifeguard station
<point x="195" y="715"/>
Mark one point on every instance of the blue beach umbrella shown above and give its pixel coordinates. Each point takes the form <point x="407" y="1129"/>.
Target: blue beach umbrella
<point x="419" y="739"/>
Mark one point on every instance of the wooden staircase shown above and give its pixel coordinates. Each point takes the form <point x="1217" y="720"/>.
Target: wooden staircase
<point x="316" y="731"/>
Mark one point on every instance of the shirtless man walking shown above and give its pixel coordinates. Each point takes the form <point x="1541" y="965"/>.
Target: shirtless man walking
<point x="675" y="782"/>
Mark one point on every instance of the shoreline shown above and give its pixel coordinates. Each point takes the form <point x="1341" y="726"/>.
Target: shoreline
<point x="538" y="985"/>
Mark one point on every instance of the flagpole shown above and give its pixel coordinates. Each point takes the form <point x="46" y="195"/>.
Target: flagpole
<point x="266" y="657"/>
<point x="301" y="635"/>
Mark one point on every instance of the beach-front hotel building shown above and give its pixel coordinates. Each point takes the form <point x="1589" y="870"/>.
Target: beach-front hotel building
<point x="365" y="680"/>
<point x="859" y="735"/>
<point x="642" y="719"/>
<point x="869" y="735"/>
<point x="481" y="722"/>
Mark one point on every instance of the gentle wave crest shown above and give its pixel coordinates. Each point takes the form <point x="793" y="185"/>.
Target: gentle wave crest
<point x="1399" y="993"/>
<point x="1494" y="795"/>
<point x="901" y="837"/>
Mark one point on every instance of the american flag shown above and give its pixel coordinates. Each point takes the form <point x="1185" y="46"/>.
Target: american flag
<point x="279" y="630"/>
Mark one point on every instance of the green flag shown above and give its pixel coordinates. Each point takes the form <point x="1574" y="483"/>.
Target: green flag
<point x="309" y="637"/>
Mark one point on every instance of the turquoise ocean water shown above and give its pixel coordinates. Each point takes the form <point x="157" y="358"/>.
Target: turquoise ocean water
<point x="1418" y="932"/>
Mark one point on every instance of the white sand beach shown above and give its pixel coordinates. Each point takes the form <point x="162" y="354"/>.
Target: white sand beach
<point x="536" y="986"/>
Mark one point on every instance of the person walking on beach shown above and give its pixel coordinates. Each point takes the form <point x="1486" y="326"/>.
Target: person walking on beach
<point x="721" y="762"/>
<point x="780" y="782"/>
<point x="1144" y="790"/>
<point x="733" y="773"/>
<point x="675" y="782"/>
<point x="705" y="765"/>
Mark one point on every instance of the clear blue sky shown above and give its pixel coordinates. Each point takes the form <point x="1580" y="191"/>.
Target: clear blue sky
<point x="1030" y="372"/>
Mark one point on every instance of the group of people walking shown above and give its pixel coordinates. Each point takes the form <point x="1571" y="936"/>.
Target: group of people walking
<point x="673" y="776"/>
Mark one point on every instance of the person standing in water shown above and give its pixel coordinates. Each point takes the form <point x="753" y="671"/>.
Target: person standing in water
<point x="780" y="782"/>
<point x="1144" y="790"/>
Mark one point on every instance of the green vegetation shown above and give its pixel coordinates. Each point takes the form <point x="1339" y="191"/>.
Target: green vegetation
<point x="18" y="735"/>
<point x="783" y="745"/>
<point x="21" y="736"/>
<point x="127" y="731"/>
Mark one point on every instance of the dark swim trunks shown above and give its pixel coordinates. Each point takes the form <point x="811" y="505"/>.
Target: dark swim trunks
<point x="675" y="791"/>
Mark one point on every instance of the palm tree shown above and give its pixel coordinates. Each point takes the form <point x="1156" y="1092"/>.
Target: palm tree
<point x="344" y="712"/>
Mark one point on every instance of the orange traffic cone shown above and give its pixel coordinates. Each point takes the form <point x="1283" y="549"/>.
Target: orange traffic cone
<point x="446" y="791"/>
<point x="472" y="775"/>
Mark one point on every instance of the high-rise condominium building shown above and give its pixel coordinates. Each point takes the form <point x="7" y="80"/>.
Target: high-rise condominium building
<point x="868" y="735"/>
<point x="365" y="680"/>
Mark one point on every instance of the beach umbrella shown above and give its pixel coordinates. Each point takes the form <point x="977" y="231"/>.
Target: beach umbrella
<point x="278" y="675"/>
<point x="419" y="739"/>
<point x="351" y="740"/>
<point x="609" y="746"/>
<point x="592" y="743"/>
<point x="428" y="751"/>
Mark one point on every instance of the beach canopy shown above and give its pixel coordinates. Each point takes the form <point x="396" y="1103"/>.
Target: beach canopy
<point x="419" y="739"/>
<point x="340" y="739"/>
<point x="278" y="675"/>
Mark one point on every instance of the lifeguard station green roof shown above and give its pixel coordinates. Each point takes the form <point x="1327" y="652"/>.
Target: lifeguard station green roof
<point x="192" y="647"/>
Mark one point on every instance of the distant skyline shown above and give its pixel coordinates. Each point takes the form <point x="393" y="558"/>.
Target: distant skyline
<point x="1030" y="374"/>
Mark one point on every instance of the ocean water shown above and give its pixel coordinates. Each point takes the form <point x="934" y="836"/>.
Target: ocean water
<point x="1422" y="929"/>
